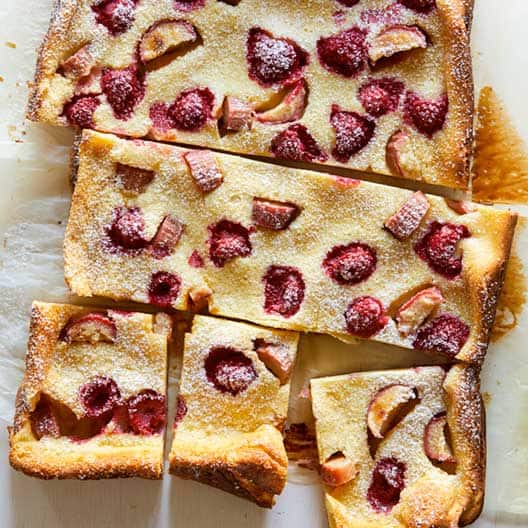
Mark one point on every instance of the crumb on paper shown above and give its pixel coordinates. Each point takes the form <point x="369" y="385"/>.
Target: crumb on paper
<point x="486" y="398"/>
<point x="10" y="44"/>
<point x="1" y="79"/>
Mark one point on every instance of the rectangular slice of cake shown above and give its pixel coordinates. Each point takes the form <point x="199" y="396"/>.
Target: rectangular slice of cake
<point x="283" y="247"/>
<point x="232" y="407"/>
<point x="92" y="402"/>
<point x="401" y="448"/>
<point x="376" y="85"/>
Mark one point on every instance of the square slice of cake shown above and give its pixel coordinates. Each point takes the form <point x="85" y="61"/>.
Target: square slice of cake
<point x="373" y="85"/>
<point x="401" y="448"/>
<point x="92" y="402"/>
<point x="232" y="407"/>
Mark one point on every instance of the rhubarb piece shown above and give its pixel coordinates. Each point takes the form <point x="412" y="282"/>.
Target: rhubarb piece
<point x="273" y="60"/>
<point x="126" y="232"/>
<point x="133" y="179"/>
<point x="400" y="156"/>
<point x="353" y="132"/>
<point x="196" y="260"/>
<point x="297" y="144"/>
<point x="204" y="169"/>
<point x="407" y="219"/>
<point x="439" y="248"/>
<point x="426" y="115"/>
<point x="99" y="396"/>
<point x="181" y="410"/>
<point x="290" y="108"/>
<point x="344" y="53"/>
<point x="273" y="215"/>
<point x="43" y="420"/>
<point x="386" y="407"/>
<point x="79" y="111"/>
<point x="165" y="36"/>
<point x="436" y="446"/>
<point x="381" y="96"/>
<point x="446" y="334"/>
<point x="90" y="328"/>
<point x="388" y="481"/>
<point x="461" y="206"/>
<point x="350" y="264"/>
<point x="191" y="110"/>
<point x="124" y="90"/>
<point x="237" y="115"/>
<point x="229" y="370"/>
<point x="116" y="15"/>
<point x="276" y="358"/>
<point x="147" y="412"/>
<point x="413" y="313"/>
<point x="166" y="238"/>
<point x="188" y="5"/>
<point x="420" y="6"/>
<point x="283" y="290"/>
<point x="338" y="470"/>
<point x="163" y="289"/>
<point x="365" y="316"/>
<point x="79" y="64"/>
<point x="119" y="423"/>
<point x="199" y="298"/>
<point x="396" y="39"/>
<point x="228" y="240"/>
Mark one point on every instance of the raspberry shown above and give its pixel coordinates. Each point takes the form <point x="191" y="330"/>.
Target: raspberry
<point x="196" y="260"/>
<point x="99" y="396"/>
<point x="191" y="109"/>
<point x="43" y="420"/>
<point x="348" y="3"/>
<point x="188" y="5"/>
<point x="164" y="288"/>
<point x="158" y="114"/>
<point x="274" y="60"/>
<point x="283" y="290"/>
<point x="344" y="53"/>
<point x="296" y="144"/>
<point x="350" y="264"/>
<point x="427" y="116"/>
<point x="116" y="15"/>
<point x="439" y="248"/>
<point x="133" y="179"/>
<point x="381" y="96"/>
<point x="126" y="230"/>
<point x="124" y="89"/>
<point x="229" y="370"/>
<point x="388" y="481"/>
<point x="147" y="412"/>
<point x="445" y="334"/>
<point x="353" y="132"/>
<point x="228" y="240"/>
<point x="365" y="316"/>
<point x="420" y="6"/>
<point x="79" y="111"/>
<point x="181" y="410"/>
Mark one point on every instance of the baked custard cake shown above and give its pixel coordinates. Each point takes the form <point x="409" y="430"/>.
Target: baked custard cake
<point x="232" y="406"/>
<point x="401" y="448"/>
<point x="92" y="402"/>
<point x="373" y="85"/>
<point x="283" y="247"/>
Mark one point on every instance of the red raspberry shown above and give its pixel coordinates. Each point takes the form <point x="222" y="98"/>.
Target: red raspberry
<point x="79" y="111"/>
<point x="388" y="481"/>
<point x="274" y="60"/>
<point x="191" y="110"/>
<point x="421" y="6"/>
<point x="348" y="3"/>
<point x="344" y="53"/>
<point x="124" y="90"/>
<point x="126" y="230"/>
<point x="116" y="15"/>
<point x="365" y="316"/>
<point x="446" y="334"/>
<point x="229" y="370"/>
<point x="350" y="264"/>
<point x="228" y="240"/>
<point x="353" y="132"/>
<point x="43" y="420"/>
<point x="181" y="410"/>
<point x="381" y="96"/>
<point x="147" y="412"/>
<point x="188" y="5"/>
<point x="283" y="290"/>
<point x="427" y="116"/>
<point x="438" y="248"/>
<point x="164" y="288"/>
<point x="296" y="144"/>
<point x="99" y="396"/>
<point x="196" y="260"/>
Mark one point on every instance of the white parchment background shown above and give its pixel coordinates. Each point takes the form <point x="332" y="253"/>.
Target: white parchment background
<point x="34" y="201"/>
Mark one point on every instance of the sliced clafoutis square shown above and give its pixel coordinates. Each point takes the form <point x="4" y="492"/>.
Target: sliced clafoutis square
<point x="232" y="406"/>
<point x="378" y="85"/>
<point x="92" y="402"/>
<point x="401" y="448"/>
<point x="283" y="247"/>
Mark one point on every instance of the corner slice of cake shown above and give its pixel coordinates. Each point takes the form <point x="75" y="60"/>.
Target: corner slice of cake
<point x="401" y="448"/>
<point x="92" y="401"/>
<point x="232" y="407"/>
<point x="373" y="85"/>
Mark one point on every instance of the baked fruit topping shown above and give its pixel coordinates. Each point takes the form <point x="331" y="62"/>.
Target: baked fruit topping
<point x="381" y="96"/>
<point x="229" y="370"/>
<point x="199" y="298"/>
<point x="396" y="39"/>
<point x="283" y="290"/>
<point x="124" y="90"/>
<point x="79" y="64"/>
<point x="344" y="53"/>
<point x="116" y="15"/>
<point x="190" y="111"/>
<point x="400" y="156"/>
<point x="164" y="288"/>
<point x="43" y="420"/>
<point x="166" y="238"/>
<point x="386" y="407"/>
<point x="204" y="169"/>
<point x="446" y="334"/>
<point x="237" y="115"/>
<point x="196" y="260"/>
<point x="90" y="328"/>
<point x="338" y="470"/>
<point x="350" y="264"/>
<point x="426" y="115"/>
<point x="413" y="313"/>
<point x="79" y="111"/>
<point x="388" y="481"/>
<point x="365" y="316"/>
<point x="420" y="6"/>
<point x="228" y="240"/>
<point x="181" y="410"/>
<point x="297" y="144"/>
<point x="133" y="179"/>
<point x="290" y="108"/>
<point x="126" y="232"/>
<point x="461" y="206"/>
<point x="273" y="215"/>
<point x="273" y="60"/>
<point x="147" y="412"/>
<point x="99" y="396"/>
<point x="188" y="5"/>
<point x="353" y="132"/>
<point x="276" y="358"/>
<point x="436" y="446"/>
<point x="407" y="219"/>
